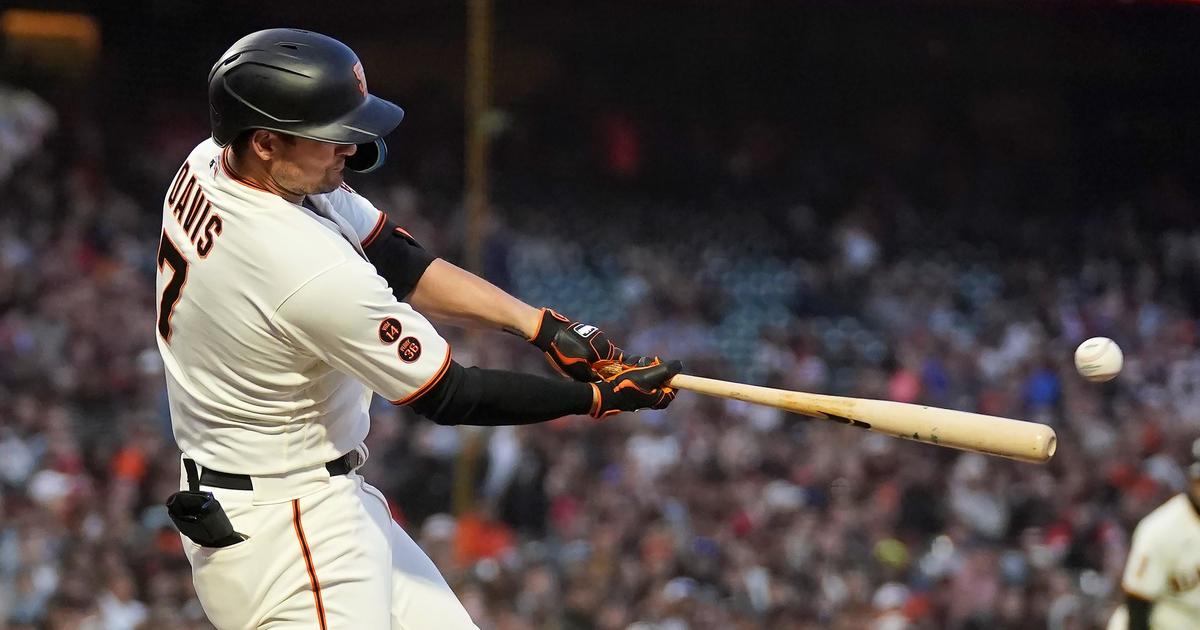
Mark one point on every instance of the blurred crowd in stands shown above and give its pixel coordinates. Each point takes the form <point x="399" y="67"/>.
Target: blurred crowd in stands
<point x="710" y="514"/>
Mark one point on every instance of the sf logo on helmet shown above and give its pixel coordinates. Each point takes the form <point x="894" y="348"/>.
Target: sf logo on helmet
<point x="360" y="79"/>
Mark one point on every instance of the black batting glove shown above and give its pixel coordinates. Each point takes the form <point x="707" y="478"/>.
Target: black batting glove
<point x="627" y="387"/>
<point x="574" y="349"/>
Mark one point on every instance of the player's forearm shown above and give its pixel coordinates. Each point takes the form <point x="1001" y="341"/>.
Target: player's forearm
<point x="443" y="292"/>
<point x="482" y="397"/>
<point x="448" y="294"/>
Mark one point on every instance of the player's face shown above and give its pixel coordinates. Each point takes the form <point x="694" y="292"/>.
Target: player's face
<point x="310" y="167"/>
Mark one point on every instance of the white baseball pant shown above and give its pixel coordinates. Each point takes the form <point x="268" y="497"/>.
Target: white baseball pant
<point x="322" y="553"/>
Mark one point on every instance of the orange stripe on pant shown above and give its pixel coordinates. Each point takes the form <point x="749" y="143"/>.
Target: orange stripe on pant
<point x="308" y="563"/>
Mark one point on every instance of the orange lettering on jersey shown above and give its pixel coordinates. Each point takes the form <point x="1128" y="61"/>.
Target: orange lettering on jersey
<point x="195" y="214"/>
<point x="181" y="205"/>
<point x="212" y="230"/>
<point x="194" y="211"/>
<point x="200" y="221"/>
<point x="178" y="182"/>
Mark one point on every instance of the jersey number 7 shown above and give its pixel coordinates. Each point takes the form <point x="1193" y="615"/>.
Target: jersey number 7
<point x="169" y="254"/>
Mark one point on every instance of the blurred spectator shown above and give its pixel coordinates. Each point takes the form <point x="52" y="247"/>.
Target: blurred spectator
<point x="711" y="514"/>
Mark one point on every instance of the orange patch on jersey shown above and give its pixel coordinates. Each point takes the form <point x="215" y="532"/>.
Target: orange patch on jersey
<point x="389" y="330"/>
<point x="410" y="349"/>
<point x="1142" y="566"/>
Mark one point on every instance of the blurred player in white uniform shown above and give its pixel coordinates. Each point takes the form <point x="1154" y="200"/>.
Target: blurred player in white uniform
<point x="284" y="300"/>
<point x="1162" y="574"/>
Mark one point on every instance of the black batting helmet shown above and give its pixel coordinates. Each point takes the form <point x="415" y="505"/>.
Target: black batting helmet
<point x="300" y="83"/>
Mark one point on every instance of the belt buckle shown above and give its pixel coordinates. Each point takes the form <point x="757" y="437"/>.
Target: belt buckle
<point x="354" y="459"/>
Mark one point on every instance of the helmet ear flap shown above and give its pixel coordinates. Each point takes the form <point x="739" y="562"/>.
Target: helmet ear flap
<point x="368" y="157"/>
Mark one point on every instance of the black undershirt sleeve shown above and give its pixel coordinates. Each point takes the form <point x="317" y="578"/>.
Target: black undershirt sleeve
<point x="1139" y="612"/>
<point x="483" y="397"/>
<point x="397" y="257"/>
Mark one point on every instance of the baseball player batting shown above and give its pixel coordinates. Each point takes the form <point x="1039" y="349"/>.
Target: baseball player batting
<point x="1162" y="574"/>
<point x="285" y="298"/>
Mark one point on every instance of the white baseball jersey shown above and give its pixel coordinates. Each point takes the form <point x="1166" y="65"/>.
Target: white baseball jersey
<point x="272" y="324"/>
<point x="1164" y="566"/>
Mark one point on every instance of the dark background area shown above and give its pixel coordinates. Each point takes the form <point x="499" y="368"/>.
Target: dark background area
<point x="930" y="202"/>
<point x="1105" y="87"/>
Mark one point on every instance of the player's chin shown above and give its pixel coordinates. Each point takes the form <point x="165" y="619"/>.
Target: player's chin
<point x="331" y="182"/>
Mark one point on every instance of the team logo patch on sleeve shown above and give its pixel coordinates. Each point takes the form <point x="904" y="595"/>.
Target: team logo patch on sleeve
<point x="410" y="349"/>
<point x="389" y="330"/>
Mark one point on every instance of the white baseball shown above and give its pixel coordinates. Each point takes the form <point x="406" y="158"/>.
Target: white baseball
<point x="1099" y="359"/>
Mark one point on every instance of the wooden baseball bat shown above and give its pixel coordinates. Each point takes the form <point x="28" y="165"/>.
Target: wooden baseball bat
<point x="992" y="435"/>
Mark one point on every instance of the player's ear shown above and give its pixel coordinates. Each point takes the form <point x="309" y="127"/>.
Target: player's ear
<point x="265" y="144"/>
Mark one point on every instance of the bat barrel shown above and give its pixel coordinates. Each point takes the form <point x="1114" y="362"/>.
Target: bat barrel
<point x="992" y="435"/>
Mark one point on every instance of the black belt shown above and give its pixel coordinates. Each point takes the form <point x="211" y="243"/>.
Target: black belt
<point x="231" y="481"/>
